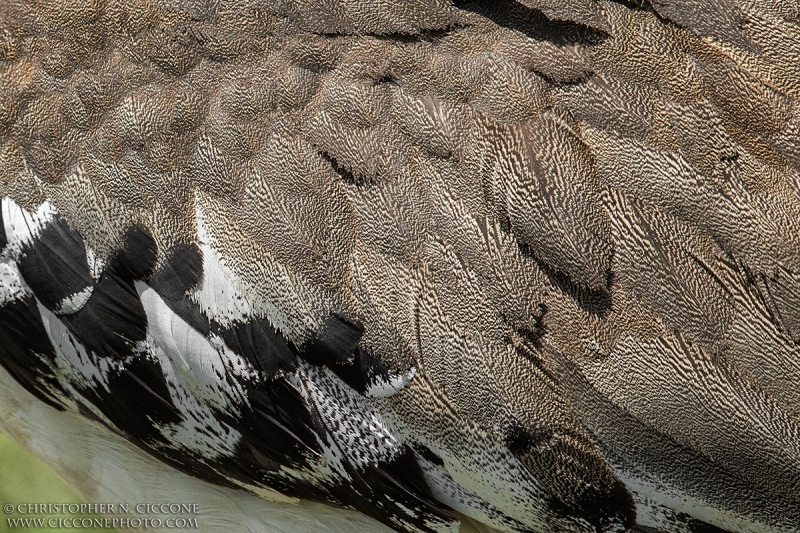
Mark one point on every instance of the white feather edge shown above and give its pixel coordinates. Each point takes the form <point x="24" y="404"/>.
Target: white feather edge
<point x="103" y="467"/>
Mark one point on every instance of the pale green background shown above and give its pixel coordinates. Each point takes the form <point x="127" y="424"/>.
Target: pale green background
<point x="25" y="479"/>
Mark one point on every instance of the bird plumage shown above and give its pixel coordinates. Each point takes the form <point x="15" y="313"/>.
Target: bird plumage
<point x="513" y="265"/>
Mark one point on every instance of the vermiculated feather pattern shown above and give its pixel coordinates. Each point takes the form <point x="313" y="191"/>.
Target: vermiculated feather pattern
<point x="499" y="266"/>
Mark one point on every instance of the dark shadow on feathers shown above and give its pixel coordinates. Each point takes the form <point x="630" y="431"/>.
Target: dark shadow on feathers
<point x="533" y="22"/>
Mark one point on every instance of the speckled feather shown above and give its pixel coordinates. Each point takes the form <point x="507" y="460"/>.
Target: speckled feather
<point x="498" y="266"/>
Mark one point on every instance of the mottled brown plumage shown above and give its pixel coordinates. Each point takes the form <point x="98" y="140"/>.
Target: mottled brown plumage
<point x="577" y="223"/>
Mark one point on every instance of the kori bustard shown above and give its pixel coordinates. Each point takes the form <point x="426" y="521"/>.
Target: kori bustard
<point x="422" y="265"/>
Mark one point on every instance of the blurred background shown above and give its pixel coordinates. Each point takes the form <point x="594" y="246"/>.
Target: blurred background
<point x="25" y="479"/>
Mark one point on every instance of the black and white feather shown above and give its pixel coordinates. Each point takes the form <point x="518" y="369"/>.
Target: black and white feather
<point x="432" y="266"/>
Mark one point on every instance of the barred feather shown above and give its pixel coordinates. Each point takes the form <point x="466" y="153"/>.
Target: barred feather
<point x="434" y="265"/>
